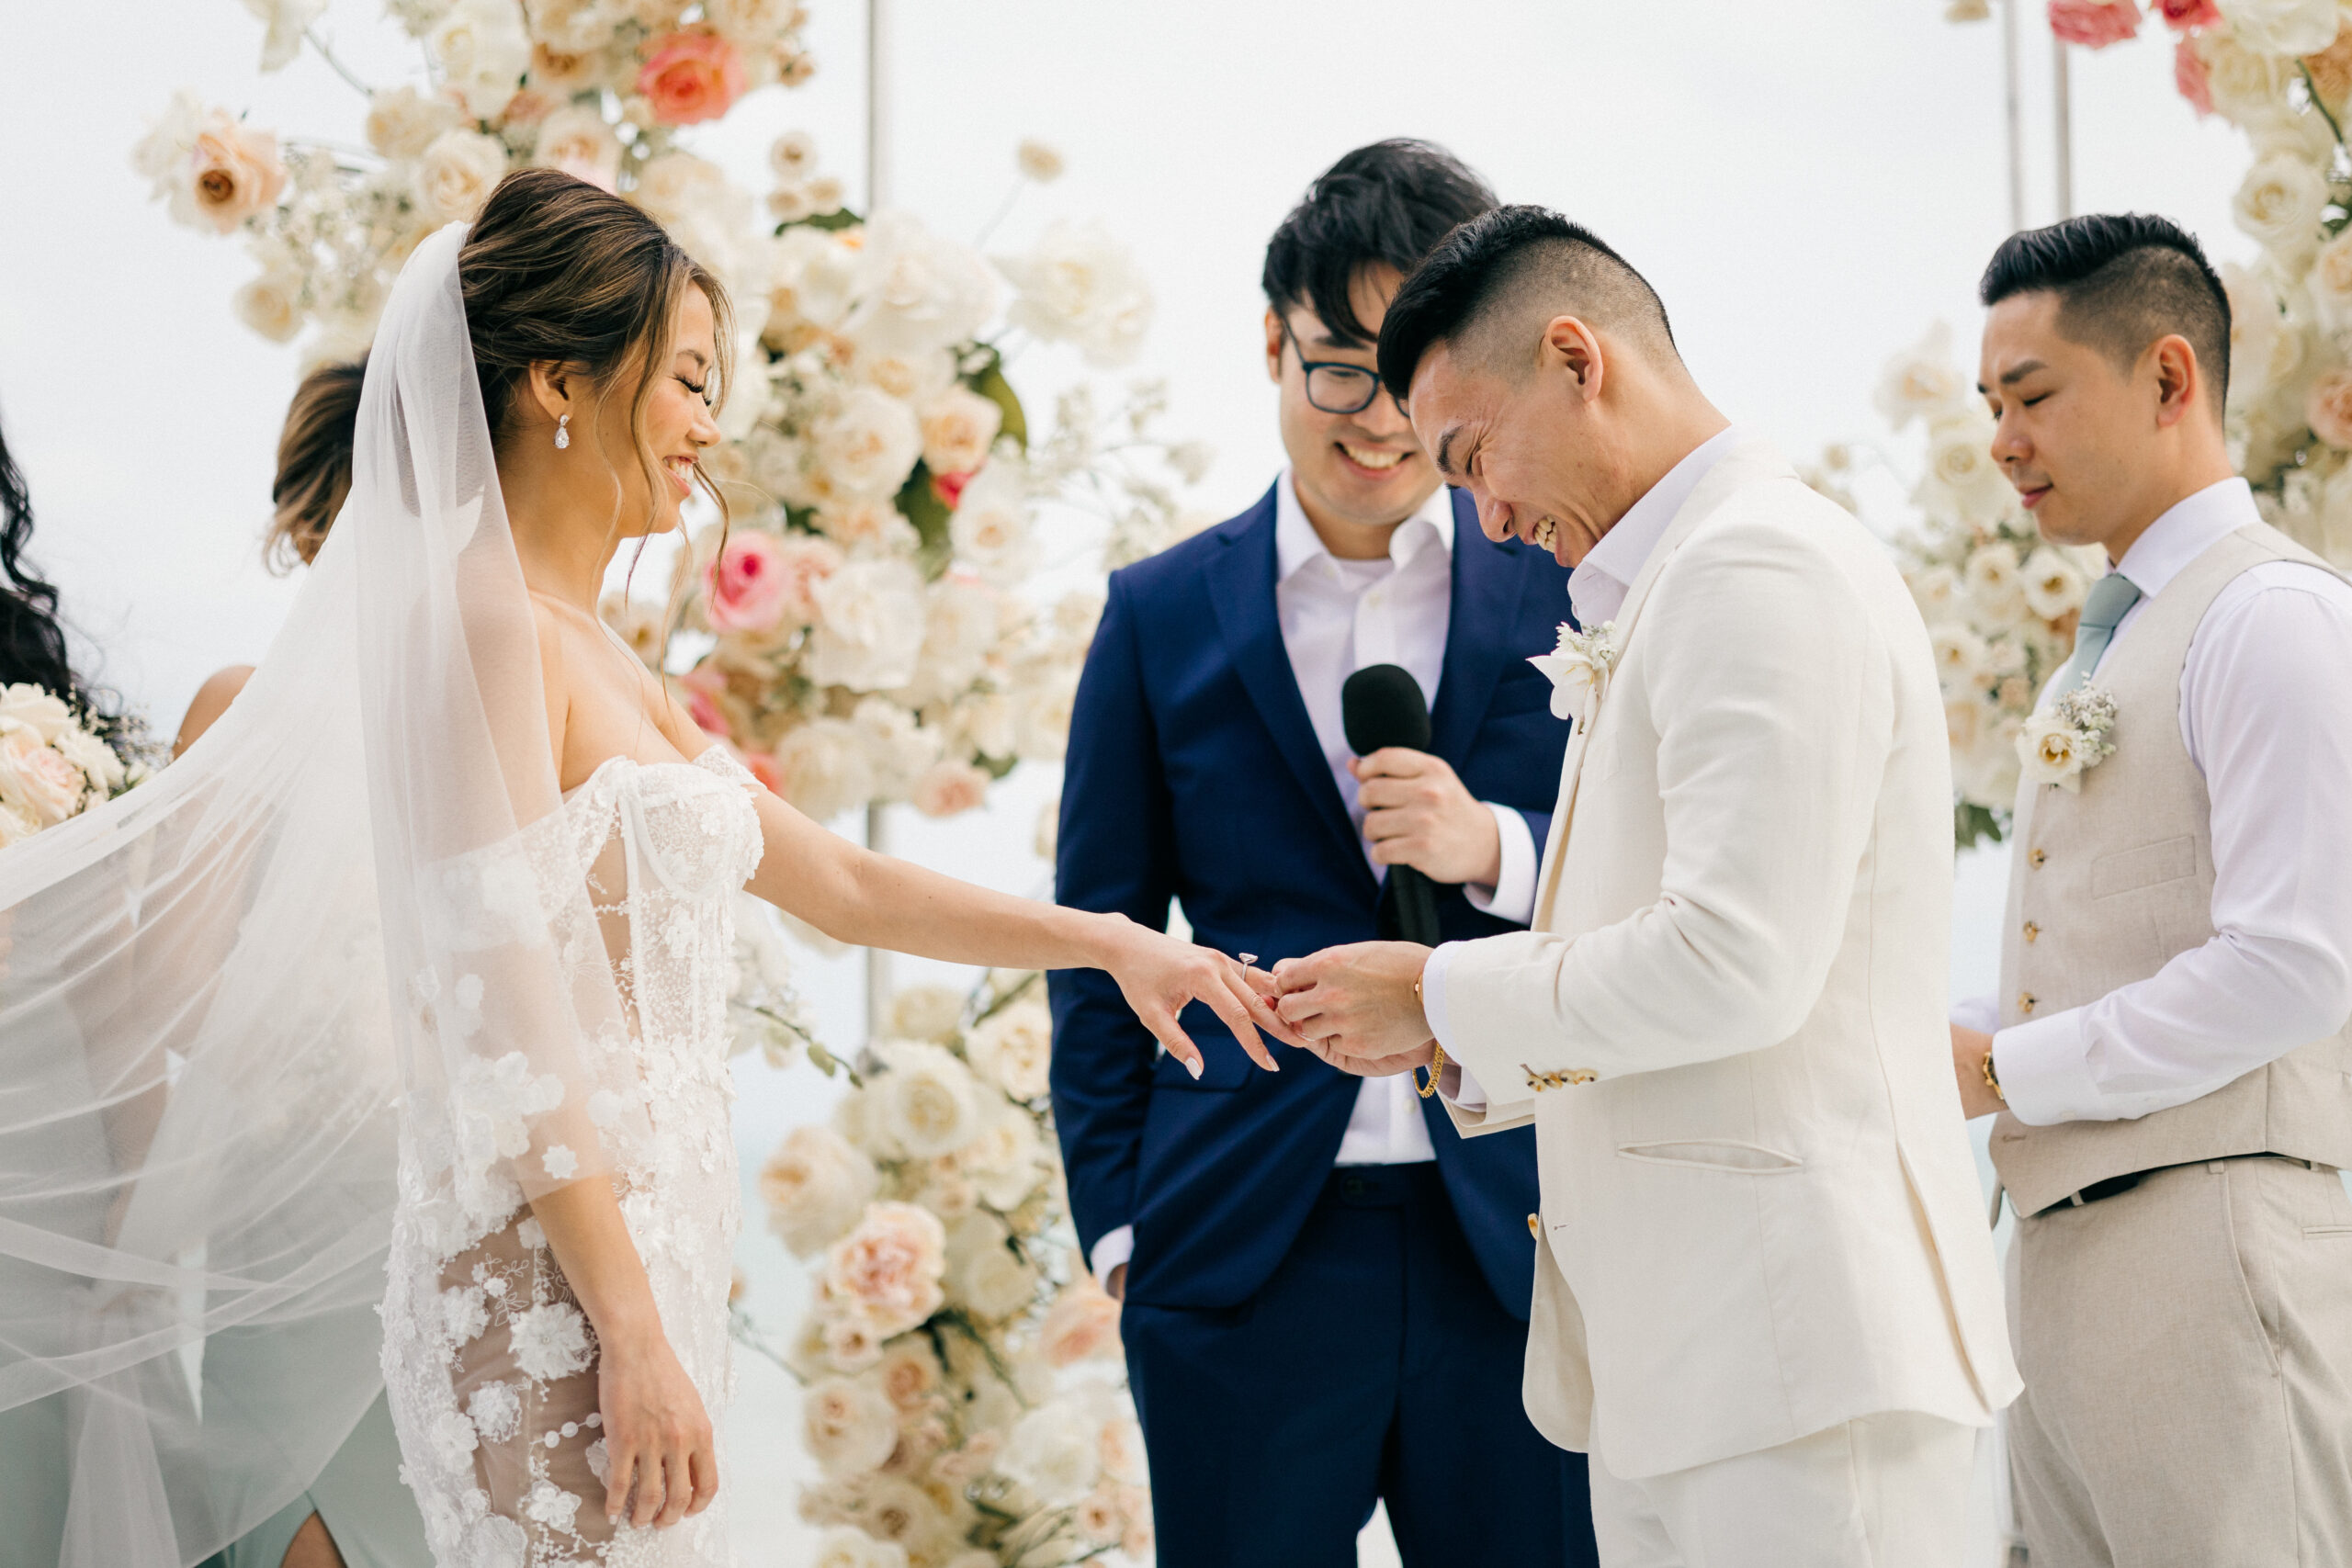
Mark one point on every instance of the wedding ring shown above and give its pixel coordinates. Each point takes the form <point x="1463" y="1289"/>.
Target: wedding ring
<point x="1247" y="958"/>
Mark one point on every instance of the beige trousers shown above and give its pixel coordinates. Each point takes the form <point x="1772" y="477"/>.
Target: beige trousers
<point x="1886" y="1490"/>
<point x="2187" y="1347"/>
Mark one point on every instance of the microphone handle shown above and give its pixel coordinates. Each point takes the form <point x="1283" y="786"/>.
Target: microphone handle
<point x="1416" y="898"/>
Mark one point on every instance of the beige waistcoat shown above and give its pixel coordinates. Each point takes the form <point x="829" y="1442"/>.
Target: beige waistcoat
<point x="2107" y="883"/>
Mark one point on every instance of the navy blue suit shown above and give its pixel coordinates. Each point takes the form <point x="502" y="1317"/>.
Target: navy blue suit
<point x="1269" y="1293"/>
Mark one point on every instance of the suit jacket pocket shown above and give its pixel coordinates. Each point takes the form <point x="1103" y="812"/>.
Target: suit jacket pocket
<point x="2128" y="870"/>
<point x="1748" y="1159"/>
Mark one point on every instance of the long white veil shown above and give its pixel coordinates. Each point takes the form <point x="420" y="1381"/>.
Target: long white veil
<point x="348" y="921"/>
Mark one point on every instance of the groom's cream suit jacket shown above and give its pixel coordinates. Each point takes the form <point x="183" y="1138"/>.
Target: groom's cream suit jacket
<point x="1760" y="1216"/>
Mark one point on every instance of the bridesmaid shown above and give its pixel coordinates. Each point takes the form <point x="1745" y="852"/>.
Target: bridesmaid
<point x="358" y="1514"/>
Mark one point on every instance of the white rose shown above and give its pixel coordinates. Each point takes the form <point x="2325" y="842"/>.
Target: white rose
<point x="926" y="1012"/>
<point x="1936" y="590"/>
<point x="2282" y="27"/>
<point x="926" y="1101"/>
<point x="1123" y="1459"/>
<point x="1959" y="655"/>
<point x="2053" y="586"/>
<point x="1056" y="1451"/>
<point x="673" y="185"/>
<point x="576" y="140"/>
<point x="824" y="768"/>
<point x="1996" y="581"/>
<point x="995" y="1283"/>
<point x="1920" y="382"/>
<point x="916" y="291"/>
<point x="869" y="444"/>
<point x="959" y="628"/>
<point x="36" y="781"/>
<point x="792" y="157"/>
<point x="93" y="755"/>
<point x="816" y="1186"/>
<point x="1007" y="1160"/>
<point x="2049" y="752"/>
<point x="989" y="531"/>
<point x="868" y="527"/>
<point x="25" y="705"/>
<point x="271" y="304"/>
<point x="914" y="378"/>
<point x="2248" y="86"/>
<point x="2265" y="350"/>
<point x="1013" y="1049"/>
<point x="869" y="626"/>
<point x="1081" y="285"/>
<point x="1962" y="481"/>
<point x="897" y="748"/>
<point x="958" y="427"/>
<point x="812" y="279"/>
<point x="403" y="122"/>
<point x="573" y="26"/>
<point x="285" y="20"/>
<point x="456" y="175"/>
<point x="987" y="722"/>
<point x="949" y="787"/>
<point x="2279" y="202"/>
<point x="483" y="52"/>
<point x="1042" y="727"/>
<point x="850" y="1428"/>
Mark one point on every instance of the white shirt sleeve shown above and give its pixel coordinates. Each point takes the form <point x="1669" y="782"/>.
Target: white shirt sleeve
<point x="1513" y="897"/>
<point x="1114" y="1248"/>
<point x="1980" y="1013"/>
<point x="1457" y="1083"/>
<point x="2265" y="711"/>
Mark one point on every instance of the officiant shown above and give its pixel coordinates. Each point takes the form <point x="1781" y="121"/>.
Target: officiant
<point x="1327" y="1287"/>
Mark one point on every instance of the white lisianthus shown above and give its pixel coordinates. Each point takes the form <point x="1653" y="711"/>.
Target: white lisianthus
<point x="850" y="1426"/>
<point x="869" y="626"/>
<point x="1013" y="1048"/>
<point x="1056" y="1451"/>
<point x="285" y="20"/>
<point x="1920" y="383"/>
<point x="2282" y="27"/>
<point x="958" y="427"/>
<point x="456" y="175"/>
<point x="483" y="52"/>
<point x="869" y="444"/>
<point x="1579" y="668"/>
<point x="917" y="291"/>
<point x="1080" y="285"/>
<point x="1042" y="726"/>
<point x="816" y="1186"/>
<point x="824" y="768"/>
<point x="990" y="531"/>
<point x="1963" y="480"/>
<point x="403" y="122"/>
<point x="2053" y="586"/>
<point x="926" y="1102"/>
<point x="2279" y="204"/>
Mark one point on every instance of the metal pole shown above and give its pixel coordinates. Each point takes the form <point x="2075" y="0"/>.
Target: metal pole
<point x="877" y="959"/>
<point x="2011" y="113"/>
<point x="2062" y="128"/>
<point x="878" y="195"/>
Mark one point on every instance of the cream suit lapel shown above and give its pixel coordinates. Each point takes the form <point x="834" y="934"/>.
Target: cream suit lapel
<point x="1744" y="465"/>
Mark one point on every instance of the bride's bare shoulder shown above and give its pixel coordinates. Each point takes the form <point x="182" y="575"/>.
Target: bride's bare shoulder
<point x="211" y="700"/>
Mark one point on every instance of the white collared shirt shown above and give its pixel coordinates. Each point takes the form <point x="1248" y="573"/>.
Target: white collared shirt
<point x="2266" y="714"/>
<point x="1598" y="588"/>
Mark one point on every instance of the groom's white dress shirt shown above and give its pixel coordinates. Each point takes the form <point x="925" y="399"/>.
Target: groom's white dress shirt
<point x="2266" y="714"/>
<point x="1597" y="589"/>
<point x="1337" y="617"/>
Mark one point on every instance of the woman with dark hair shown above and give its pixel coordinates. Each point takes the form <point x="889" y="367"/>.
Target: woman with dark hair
<point x="454" y="872"/>
<point x="32" y="639"/>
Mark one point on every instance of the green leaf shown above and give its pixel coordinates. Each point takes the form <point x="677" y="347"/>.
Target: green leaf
<point x="1971" y="824"/>
<point x="989" y="382"/>
<point x="918" y="502"/>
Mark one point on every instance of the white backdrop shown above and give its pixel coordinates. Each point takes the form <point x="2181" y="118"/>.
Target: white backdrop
<point x="1808" y="186"/>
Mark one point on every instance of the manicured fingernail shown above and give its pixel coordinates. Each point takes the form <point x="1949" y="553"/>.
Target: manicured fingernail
<point x="1192" y="1065"/>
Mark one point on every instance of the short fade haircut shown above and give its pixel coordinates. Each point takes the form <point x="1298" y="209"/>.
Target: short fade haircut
<point x="2122" y="282"/>
<point x="1508" y="259"/>
<point x="1386" y="205"/>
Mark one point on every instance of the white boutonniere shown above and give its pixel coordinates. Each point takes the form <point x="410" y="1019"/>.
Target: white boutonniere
<point x="1578" y="668"/>
<point x="2062" y="741"/>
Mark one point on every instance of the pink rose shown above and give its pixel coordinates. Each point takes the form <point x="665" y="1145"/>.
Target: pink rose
<point x="233" y="172"/>
<point x="691" y="78"/>
<point x="763" y="768"/>
<point x="38" y="780"/>
<point x="2182" y="15"/>
<point x="2192" y="78"/>
<point x="2094" y="24"/>
<point x="2329" y="407"/>
<point x="886" y="1271"/>
<point x="1082" y="1324"/>
<point x="704" y="685"/>
<point x="948" y="787"/>
<point x="949" y="487"/>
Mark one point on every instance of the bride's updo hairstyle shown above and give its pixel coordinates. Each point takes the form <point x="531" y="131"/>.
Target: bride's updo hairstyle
<point x="556" y="271"/>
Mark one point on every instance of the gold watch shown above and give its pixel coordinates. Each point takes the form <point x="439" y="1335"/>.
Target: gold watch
<point x="1990" y="1081"/>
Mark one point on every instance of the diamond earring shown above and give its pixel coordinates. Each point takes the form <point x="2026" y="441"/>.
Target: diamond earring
<point x="562" y="437"/>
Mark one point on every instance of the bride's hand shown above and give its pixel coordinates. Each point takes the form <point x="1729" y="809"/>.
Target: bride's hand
<point x="1159" y="974"/>
<point x="657" y="1434"/>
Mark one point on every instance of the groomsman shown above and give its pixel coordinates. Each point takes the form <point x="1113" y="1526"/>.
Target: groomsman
<point x="1326" y="1288"/>
<point x="2171" y="1057"/>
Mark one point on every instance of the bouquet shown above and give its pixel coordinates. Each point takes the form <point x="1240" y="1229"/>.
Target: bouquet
<point x="53" y="765"/>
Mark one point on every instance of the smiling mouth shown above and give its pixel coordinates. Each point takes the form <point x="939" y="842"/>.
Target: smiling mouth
<point x="2033" y="495"/>
<point x="1544" y="534"/>
<point x="1378" y="460"/>
<point x="681" y="473"/>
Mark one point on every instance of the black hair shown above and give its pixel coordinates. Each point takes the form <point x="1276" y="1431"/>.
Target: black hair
<point x="1497" y="256"/>
<point x="2122" y="281"/>
<point x="32" y="638"/>
<point x="1383" y="204"/>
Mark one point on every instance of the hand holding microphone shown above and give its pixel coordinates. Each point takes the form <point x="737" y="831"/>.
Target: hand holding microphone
<point x="1420" y="820"/>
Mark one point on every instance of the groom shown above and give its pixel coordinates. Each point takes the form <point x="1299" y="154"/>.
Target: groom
<point x="1765" y="1297"/>
<point x="1325" y="1285"/>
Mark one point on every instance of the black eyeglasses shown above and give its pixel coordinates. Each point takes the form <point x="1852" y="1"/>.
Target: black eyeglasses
<point x="1333" y="385"/>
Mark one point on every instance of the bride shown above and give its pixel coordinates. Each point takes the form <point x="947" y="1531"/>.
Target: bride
<point x="454" y="874"/>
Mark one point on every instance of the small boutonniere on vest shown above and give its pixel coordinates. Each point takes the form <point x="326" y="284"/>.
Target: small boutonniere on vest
<point x="1578" y="668"/>
<point x="2062" y="741"/>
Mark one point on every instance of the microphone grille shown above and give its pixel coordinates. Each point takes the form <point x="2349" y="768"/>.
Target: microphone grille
<point x="1381" y="704"/>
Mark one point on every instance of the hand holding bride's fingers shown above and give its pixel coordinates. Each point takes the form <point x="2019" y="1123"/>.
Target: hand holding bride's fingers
<point x="1359" y="1002"/>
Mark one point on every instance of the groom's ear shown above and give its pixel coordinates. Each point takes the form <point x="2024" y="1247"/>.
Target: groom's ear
<point x="1571" y="346"/>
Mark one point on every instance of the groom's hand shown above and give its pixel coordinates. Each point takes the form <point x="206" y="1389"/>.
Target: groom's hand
<point x="1417" y="813"/>
<point x="1358" y="1005"/>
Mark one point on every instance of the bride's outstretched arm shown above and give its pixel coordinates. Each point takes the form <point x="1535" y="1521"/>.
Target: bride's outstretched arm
<point x="871" y="900"/>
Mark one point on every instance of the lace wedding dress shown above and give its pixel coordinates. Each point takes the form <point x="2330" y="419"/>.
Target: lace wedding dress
<point x="490" y="1365"/>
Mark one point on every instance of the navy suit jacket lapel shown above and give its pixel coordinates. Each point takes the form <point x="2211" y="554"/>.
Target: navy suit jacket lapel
<point x="1241" y="596"/>
<point x="1487" y="589"/>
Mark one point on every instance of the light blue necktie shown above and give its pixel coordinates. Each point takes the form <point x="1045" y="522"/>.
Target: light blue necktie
<point x="2112" y="597"/>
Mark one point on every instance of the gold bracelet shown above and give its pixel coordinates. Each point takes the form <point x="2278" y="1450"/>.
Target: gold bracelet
<point x="1992" y="1082"/>
<point x="1437" y="1066"/>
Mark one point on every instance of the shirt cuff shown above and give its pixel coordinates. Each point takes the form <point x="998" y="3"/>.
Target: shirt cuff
<point x="1461" y="1086"/>
<point x="1513" y="897"/>
<point x="1115" y="1248"/>
<point x="1433" y="993"/>
<point x="1981" y="1014"/>
<point x="2045" y="1075"/>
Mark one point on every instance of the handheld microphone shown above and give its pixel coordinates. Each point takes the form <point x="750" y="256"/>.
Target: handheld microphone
<point x="1380" y="706"/>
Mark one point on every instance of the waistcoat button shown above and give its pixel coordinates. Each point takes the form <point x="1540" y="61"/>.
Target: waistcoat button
<point x="1532" y="1228"/>
<point x="2025" y="1001"/>
<point x="2031" y="931"/>
<point x="2036" y="858"/>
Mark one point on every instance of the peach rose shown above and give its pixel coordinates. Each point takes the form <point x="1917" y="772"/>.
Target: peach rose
<point x="1082" y="1324"/>
<point x="949" y="787"/>
<point x="36" y="780"/>
<point x="691" y="78"/>
<point x="2329" y="407"/>
<point x="764" y="770"/>
<point x="233" y="172"/>
<point x="887" y="1271"/>
<point x="2190" y="77"/>
<point x="2094" y="24"/>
